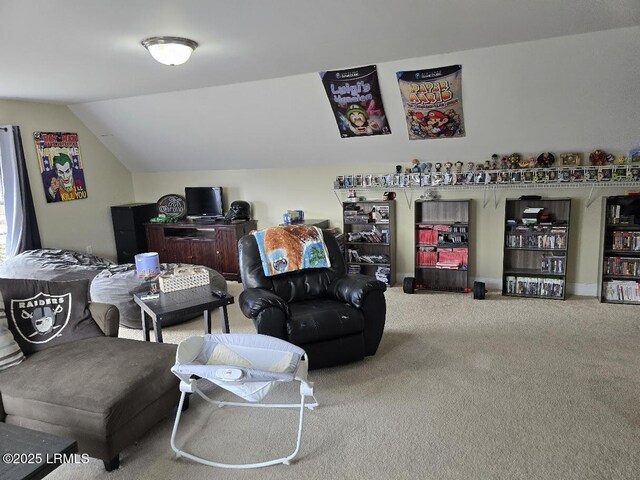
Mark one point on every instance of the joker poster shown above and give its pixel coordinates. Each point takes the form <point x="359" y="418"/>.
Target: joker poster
<point x="354" y="95"/>
<point x="60" y="166"/>
<point x="432" y="102"/>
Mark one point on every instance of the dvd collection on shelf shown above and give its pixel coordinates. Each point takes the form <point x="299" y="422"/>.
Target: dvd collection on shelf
<point x="355" y="256"/>
<point x="538" y="236"/>
<point x="450" y="258"/>
<point x="552" y="264"/>
<point x="374" y="235"/>
<point x="382" y="273"/>
<point x="614" y="216"/>
<point x="622" y="266"/>
<point x="544" y="287"/>
<point x="621" y="290"/>
<point x="626" y="241"/>
<point x="442" y="235"/>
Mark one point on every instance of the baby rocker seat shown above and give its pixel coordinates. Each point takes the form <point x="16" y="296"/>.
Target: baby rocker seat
<point x="248" y="365"/>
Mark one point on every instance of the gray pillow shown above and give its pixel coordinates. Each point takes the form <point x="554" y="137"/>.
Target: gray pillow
<point x="10" y="353"/>
<point x="42" y="314"/>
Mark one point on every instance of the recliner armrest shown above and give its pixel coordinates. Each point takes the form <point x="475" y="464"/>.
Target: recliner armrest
<point x="254" y="300"/>
<point x="352" y="289"/>
<point x="107" y="317"/>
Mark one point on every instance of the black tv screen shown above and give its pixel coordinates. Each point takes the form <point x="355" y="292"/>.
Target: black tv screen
<point x="204" y="201"/>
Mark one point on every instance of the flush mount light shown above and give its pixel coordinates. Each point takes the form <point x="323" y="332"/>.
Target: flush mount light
<point x="170" y="50"/>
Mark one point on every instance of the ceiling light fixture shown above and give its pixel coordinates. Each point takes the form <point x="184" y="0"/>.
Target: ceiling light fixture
<point x="170" y="50"/>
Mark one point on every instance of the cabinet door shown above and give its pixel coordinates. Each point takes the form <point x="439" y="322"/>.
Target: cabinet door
<point x="177" y="250"/>
<point x="203" y="252"/>
<point x="156" y="242"/>
<point x="227" y="252"/>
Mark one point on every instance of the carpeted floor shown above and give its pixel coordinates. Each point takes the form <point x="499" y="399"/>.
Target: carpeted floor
<point x="503" y="388"/>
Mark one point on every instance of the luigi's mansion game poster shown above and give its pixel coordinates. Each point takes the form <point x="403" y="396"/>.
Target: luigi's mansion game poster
<point x="60" y="166"/>
<point x="432" y="102"/>
<point x="354" y="95"/>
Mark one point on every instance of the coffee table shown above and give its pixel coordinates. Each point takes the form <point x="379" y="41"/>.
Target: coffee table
<point x="29" y="454"/>
<point x="191" y="301"/>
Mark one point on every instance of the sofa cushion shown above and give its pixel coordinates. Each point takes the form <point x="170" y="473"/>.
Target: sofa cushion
<point x="43" y="314"/>
<point x="322" y="319"/>
<point x="10" y="353"/>
<point x="97" y="384"/>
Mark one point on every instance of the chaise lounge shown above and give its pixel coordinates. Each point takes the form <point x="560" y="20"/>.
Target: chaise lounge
<point x="104" y="392"/>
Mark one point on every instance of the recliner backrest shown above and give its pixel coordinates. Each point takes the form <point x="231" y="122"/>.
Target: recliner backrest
<point x="295" y="286"/>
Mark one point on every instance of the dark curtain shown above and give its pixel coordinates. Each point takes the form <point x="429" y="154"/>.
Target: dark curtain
<point x="30" y="238"/>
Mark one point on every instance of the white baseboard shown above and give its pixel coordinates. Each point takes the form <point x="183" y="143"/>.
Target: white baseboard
<point x="582" y="289"/>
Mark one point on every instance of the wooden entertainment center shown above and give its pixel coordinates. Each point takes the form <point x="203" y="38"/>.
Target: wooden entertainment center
<point x="213" y="245"/>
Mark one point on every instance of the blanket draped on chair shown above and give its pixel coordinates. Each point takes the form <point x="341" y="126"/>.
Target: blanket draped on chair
<point x="290" y="248"/>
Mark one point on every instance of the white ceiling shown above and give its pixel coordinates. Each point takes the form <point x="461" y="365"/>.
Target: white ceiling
<point x="76" y="51"/>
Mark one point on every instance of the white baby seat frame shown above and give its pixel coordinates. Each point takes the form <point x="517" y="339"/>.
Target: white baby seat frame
<point x="247" y="365"/>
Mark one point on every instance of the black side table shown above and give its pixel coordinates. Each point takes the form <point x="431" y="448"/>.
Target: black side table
<point x="191" y="301"/>
<point x="29" y="454"/>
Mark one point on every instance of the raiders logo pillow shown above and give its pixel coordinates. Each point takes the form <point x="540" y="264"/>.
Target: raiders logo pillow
<point x="42" y="314"/>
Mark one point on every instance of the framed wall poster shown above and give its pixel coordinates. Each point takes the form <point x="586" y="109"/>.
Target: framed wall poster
<point x="354" y="95"/>
<point x="432" y="102"/>
<point x="60" y="166"/>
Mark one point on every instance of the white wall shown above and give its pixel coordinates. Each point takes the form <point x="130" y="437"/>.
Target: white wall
<point x="561" y="94"/>
<point x="80" y="223"/>
<point x="565" y="94"/>
<point x="273" y="191"/>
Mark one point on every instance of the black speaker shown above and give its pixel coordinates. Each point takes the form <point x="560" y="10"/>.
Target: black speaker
<point x="478" y="290"/>
<point x="409" y="285"/>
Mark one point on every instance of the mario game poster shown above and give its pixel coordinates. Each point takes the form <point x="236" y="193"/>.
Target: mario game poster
<point x="60" y="166"/>
<point x="432" y="102"/>
<point x="354" y="95"/>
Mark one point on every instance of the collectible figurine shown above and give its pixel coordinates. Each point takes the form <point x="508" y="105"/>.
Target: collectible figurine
<point x="621" y="160"/>
<point x="423" y="167"/>
<point x="398" y="168"/>
<point x="487" y="165"/>
<point x="438" y="166"/>
<point x="415" y="165"/>
<point x="447" y="167"/>
<point x="470" y="167"/>
<point x="428" y="166"/>
<point x="459" y="166"/>
<point x="504" y="163"/>
<point x="546" y="159"/>
<point x="598" y="158"/>
<point x="523" y="163"/>
<point x="514" y="160"/>
<point x="532" y="162"/>
<point x="569" y="159"/>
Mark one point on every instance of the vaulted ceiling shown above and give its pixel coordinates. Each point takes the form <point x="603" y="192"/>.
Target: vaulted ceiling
<point x="83" y="52"/>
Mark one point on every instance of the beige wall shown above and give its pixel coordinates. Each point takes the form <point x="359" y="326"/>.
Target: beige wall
<point x="273" y="191"/>
<point x="78" y="224"/>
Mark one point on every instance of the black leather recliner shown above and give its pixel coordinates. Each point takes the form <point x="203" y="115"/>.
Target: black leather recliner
<point x="336" y="318"/>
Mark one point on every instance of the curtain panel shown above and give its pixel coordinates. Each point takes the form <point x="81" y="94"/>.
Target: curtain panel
<point x="22" y="225"/>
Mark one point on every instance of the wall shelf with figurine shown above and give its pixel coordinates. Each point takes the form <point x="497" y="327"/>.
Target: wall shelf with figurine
<point x="512" y="172"/>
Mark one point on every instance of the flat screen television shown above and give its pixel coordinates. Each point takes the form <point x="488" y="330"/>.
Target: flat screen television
<point x="204" y="201"/>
